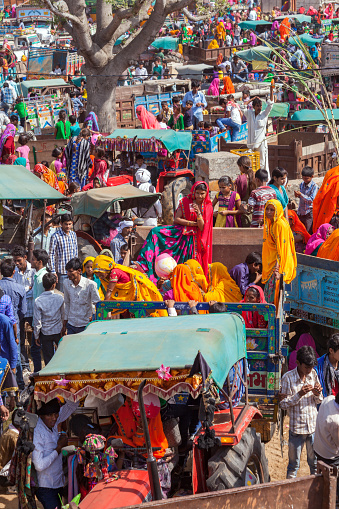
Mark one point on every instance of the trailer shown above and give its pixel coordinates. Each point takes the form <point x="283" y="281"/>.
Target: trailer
<point x="209" y="56"/>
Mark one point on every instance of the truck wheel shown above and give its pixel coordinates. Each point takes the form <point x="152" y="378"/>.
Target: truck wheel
<point x="171" y="195"/>
<point x="241" y="465"/>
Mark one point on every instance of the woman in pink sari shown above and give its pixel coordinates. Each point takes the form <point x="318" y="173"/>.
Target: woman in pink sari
<point x="318" y="238"/>
<point x="304" y="340"/>
<point x="214" y="87"/>
<point x="147" y="119"/>
<point x="329" y="11"/>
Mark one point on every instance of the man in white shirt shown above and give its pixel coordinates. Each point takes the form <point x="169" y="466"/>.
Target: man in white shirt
<point x="47" y="457"/>
<point x="141" y="72"/>
<point x="252" y="15"/>
<point x="257" y="124"/>
<point x="80" y="294"/>
<point x="48" y="317"/>
<point x="232" y="117"/>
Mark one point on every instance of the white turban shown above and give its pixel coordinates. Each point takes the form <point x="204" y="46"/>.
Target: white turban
<point x="124" y="224"/>
<point x="142" y="176"/>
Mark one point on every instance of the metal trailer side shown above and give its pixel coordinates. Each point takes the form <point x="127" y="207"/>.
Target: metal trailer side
<point x="314" y="295"/>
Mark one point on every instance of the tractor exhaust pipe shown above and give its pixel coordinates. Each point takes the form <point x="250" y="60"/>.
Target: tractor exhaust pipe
<point x="151" y="461"/>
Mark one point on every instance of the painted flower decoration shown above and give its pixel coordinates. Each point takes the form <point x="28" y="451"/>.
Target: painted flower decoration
<point x="61" y="382"/>
<point x="164" y="372"/>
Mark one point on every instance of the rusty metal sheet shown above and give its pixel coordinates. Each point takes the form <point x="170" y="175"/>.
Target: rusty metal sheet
<point x="312" y="492"/>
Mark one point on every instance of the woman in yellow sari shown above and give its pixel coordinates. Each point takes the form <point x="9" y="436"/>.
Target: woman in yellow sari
<point x="198" y="275"/>
<point x="278" y="252"/>
<point x="213" y="44"/>
<point x="222" y="288"/>
<point x="123" y="283"/>
<point x="220" y="32"/>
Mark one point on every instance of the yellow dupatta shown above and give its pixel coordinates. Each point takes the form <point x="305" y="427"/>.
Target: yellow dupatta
<point x="139" y="288"/>
<point x="213" y="44"/>
<point x="197" y="274"/>
<point x="278" y="245"/>
<point x="222" y="288"/>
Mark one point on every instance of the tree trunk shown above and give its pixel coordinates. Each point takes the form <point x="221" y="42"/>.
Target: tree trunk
<point x="101" y="97"/>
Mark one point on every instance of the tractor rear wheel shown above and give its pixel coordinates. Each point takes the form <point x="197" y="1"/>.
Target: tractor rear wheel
<point x="242" y="465"/>
<point x="171" y="195"/>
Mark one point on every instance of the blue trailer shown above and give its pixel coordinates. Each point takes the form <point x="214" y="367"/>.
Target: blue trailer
<point x="314" y="295"/>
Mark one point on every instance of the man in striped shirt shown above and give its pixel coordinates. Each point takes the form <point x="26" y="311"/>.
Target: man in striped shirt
<point x="62" y="249"/>
<point x="300" y="393"/>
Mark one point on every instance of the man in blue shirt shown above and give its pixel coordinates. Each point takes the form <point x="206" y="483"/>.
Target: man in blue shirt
<point x="241" y="273"/>
<point x="199" y="103"/>
<point x="306" y="194"/>
<point x="18" y="295"/>
<point x="8" y="346"/>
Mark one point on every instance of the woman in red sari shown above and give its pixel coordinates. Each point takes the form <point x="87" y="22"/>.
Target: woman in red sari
<point x="189" y="238"/>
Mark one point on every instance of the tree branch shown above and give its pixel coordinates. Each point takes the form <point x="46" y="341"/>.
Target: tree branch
<point x="191" y="17"/>
<point x="74" y="19"/>
<point x="121" y="14"/>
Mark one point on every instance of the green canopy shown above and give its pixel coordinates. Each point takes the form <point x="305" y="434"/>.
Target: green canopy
<point x="25" y="85"/>
<point x="253" y="25"/>
<point x="173" y="140"/>
<point x="166" y="43"/>
<point x="143" y="344"/>
<point x="96" y="201"/>
<point x="18" y="183"/>
<point x="299" y="18"/>
<point x="278" y="110"/>
<point x="313" y="115"/>
<point x="261" y="53"/>
<point x="306" y="39"/>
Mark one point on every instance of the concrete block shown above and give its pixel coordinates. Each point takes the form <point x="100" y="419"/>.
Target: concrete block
<point x="211" y="166"/>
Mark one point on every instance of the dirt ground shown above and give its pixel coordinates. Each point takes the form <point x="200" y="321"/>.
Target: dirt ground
<point x="277" y="466"/>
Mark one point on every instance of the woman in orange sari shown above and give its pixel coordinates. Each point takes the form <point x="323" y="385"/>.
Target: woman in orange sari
<point x="301" y="235"/>
<point x="325" y="204"/>
<point x="330" y="248"/>
<point x="228" y="86"/>
<point x="184" y="288"/>
<point x="47" y="175"/>
<point x="220" y="33"/>
<point x="285" y="29"/>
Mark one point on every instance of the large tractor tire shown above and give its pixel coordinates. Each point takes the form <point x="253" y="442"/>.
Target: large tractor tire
<point x="171" y="195"/>
<point x="241" y="465"/>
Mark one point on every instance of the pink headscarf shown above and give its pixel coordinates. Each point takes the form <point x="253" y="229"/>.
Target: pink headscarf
<point x="147" y="119"/>
<point x="317" y="238"/>
<point x="214" y="87"/>
<point x="304" y="340"/>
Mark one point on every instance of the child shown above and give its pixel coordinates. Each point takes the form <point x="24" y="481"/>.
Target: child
<point x="245" y="182"/>
<point x="23" y="151"/>
<point x="48" y="316"/>
<point x="166" y="111"/>
<point x="100" y="165"/>
<point x="300" y="393"/>
<point x="176" y="121"/>
<point x="56" y="165"/>
<point x="244" y="273"/>
<point x="306" y="194"/>
<point x="123" y="253"/>
<point x="229" y="205"/>
<point x="20" y="108"/>
<point x="75" y="128"/>
<point x="160" y="119"/>
<point x="253" y="320"/>
<point x="62" y="181"/>
<point x="188" y="116"/>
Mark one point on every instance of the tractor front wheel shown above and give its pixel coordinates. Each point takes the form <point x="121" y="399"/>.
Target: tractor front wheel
<point x="242" y="465"/>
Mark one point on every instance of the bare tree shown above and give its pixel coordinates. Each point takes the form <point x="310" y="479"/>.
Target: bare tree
<point x="103" y="68"/>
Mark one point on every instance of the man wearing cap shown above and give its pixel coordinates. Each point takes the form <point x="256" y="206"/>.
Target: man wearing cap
<point x="124" y="230"/>
<point x="149" y="215"/>
<point x="47" y="456"/>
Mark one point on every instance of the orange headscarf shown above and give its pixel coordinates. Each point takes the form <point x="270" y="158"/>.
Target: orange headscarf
<point x="184" y="288"/>
<point x="325" y="202"/>
<point x="47" y="176"/>
<point x="219" y="59"/>
<point x="228" y="86"/>
<point x="330" y="248"/>
<point x="298" y="227"/>
<point x="285" y="29"/>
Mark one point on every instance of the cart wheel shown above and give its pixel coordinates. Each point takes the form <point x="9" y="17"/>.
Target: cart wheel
<point x="242" y="465"/>
<point x="171" y="195"/>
